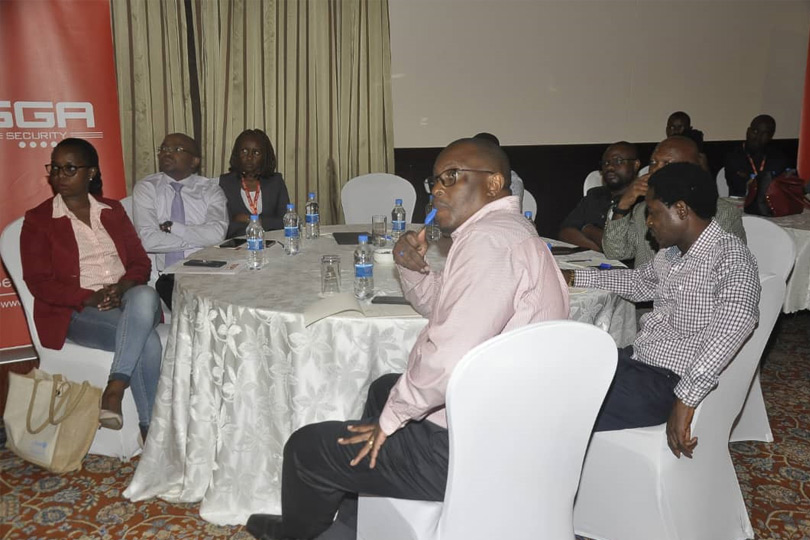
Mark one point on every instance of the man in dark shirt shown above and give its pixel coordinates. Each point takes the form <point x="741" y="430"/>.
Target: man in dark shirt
<point x="585" y="225"/>
<point x="754" y="156"/>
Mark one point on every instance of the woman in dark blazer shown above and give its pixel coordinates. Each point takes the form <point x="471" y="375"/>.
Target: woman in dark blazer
<point x="253" y="186"/>
<point x="86" y="268"/>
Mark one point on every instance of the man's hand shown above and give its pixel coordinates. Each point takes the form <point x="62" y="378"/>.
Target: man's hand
<point x="166" y="227"/>
<point x="637" y="189"/>
<point x="372" y="439"/>
<point x="241" y="218"/>
<point x="410" y="250"/>
<point x="679" y="430"/>
<point x="96" y="299"/>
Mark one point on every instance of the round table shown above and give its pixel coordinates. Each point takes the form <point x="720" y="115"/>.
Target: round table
<point x="241" y="372"/>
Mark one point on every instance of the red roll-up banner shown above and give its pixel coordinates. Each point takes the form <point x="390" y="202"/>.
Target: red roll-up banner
<point x="57" y="80"/>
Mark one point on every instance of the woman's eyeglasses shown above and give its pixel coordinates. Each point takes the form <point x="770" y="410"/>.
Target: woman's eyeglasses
<point x="67" y="170"/>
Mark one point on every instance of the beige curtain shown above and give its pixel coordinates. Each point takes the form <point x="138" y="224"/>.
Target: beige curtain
<point x="315" y="75"/>
<point x="151" y="62"/>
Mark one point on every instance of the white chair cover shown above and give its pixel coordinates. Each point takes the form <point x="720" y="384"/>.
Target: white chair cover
<point x="594" y="179"/>
<point x="374" y="194"/>
<point x="775" y="252"/>
<point x="634" y="488"/>
<point x="722" y="186"/>
<point x="530" y="204"/>
<point x="520" y="408"/>
<point x="644" y="170"/>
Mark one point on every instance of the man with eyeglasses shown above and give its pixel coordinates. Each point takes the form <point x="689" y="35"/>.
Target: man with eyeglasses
<point x="176" y="211"/>
<point x="585" y="224"/>
<point x="626" y="235"/>
<point x="498" y="276"/>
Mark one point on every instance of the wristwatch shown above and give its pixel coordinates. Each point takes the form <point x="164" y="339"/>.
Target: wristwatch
<point x="615" y="210"/>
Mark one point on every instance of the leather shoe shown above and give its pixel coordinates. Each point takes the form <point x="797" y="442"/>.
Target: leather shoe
<point x="110" y="419"/>
<point x="265" y="527"/>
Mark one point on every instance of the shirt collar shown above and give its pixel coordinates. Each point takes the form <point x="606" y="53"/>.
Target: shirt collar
<point x="60" y="209"/>
<point x="701" y="247"/>
<point x="509" y="204"/>
<point x="187" y="181"/>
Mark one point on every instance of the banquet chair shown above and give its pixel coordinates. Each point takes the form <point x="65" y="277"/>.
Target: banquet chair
<point x="644" y="170"/>
<point x="519" y="424"/>
<point x="75" y="362"/>
<point x="722" y="185"/>
<point x="373" y="194"/>
<point x="634" y="488"/>
<point x="530" y="204"/>
<point x="594" y="179"/>
<point x="775" y="252"/>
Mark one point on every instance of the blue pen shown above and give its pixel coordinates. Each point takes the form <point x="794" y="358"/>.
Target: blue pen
<point x="430" y="217"/>
<point x="605" y="266"/>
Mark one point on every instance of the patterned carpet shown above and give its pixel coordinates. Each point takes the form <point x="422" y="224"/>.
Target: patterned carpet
<point x="775" y="477"/>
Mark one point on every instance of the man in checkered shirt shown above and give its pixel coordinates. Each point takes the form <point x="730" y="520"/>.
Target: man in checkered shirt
<point x="705" y="290"/>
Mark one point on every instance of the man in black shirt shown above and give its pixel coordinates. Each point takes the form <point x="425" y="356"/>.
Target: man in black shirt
<point x="585" y="225"/>
<point x="754" y="156"/>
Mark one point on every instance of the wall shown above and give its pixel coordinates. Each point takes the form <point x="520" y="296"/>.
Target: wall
<point x="575" y="72"/>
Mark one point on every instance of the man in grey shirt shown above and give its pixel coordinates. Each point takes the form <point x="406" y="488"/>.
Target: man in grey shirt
<point x="626" y="235"/>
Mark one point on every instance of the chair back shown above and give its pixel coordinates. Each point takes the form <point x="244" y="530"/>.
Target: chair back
<point x="722" y="185"/>
<point x="519" y="422"/>
<point x="644" y="170"/>
<point x="10" y="253"/>
<point x="772" y="246"/>
<point x="716" y="414"/>
<point x="373" y="194"/>
<point x="594" y="179"/>
<point x="530" y="204"/>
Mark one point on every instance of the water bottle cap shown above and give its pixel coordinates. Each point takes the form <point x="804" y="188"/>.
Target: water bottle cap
<point x="254" y="217"/>
<point x="398" y="201"/>
<point x="528" y="214"/>
<point x="362" y="238"/>
<point x="311" y="194"/>
<point x="290" y="207"/>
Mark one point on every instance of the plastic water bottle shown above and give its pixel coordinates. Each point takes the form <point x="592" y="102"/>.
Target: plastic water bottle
<point x="528" y="214"/>
<point x="255" y="243"/>
<point x="433" y="232"/>
<point x="363" y="269"/>
<point x="313" y="218"/>
<point x="292" y="240"/>
<point x="397" y="220"/>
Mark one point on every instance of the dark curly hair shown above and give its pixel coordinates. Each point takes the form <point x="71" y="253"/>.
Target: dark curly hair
<point x="89" y="156"/>
<point x="268" y="154"/>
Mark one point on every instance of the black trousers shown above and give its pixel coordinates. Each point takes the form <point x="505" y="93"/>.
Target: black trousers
<point x="317" y="476"/>
<point x="640" y="395"/>
<point x="165" y="288"/>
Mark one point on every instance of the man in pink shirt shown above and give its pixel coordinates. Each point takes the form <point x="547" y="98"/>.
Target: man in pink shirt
<point x="498" y="276"/>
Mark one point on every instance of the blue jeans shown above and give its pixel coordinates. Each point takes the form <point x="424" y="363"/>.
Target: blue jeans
<point x="128" y="331"/>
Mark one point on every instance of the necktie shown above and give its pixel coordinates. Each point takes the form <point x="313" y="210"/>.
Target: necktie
<point x="178" y="215"/>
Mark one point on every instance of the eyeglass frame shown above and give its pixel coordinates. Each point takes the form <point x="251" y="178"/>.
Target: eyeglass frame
<point x="613" y="161"/>
<point x="163" y="149"/>
<point x="256" y="152"/>
<point x="430" y="181"/>
<point x="55" y="170"/>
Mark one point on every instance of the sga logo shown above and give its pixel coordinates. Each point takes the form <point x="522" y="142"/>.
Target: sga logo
<point x="45" y="114"/>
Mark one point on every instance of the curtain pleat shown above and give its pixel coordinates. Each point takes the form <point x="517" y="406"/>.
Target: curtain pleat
<point x="151" y="60"/>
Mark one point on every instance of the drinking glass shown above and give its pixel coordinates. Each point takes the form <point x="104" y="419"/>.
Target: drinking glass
<point x="379" y="228"/>
<point x="330" y="275"/>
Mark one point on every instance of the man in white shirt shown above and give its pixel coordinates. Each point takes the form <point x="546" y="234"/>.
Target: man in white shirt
<point x="177" y="212"/>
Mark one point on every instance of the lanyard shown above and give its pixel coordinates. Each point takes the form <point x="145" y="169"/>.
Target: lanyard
<point x="253" y="203"/>
<point x="751" y="162"/>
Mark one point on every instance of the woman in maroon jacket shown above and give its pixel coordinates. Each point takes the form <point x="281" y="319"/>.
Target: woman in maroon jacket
<point x="86" y="267"/>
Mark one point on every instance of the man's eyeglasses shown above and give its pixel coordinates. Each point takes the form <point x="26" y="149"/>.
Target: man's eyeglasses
<point x="163" y="149"/>
<point x="450" y="177"/>
<point x="615" y="161"/>
<point x="255" y="152"/>
<point x="67" y="170"/>
<point x="654" y="163"/>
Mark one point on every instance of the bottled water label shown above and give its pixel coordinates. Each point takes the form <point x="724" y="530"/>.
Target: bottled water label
<point x="398" y="226"/>
<point x="291" y="232"/>
<point x="313" y="218"/>
<point x="255" y="244"/>
<point x="363" y="270"/>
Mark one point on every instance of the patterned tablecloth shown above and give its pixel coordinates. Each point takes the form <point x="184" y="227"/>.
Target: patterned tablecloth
<point x="798" y="286"/>
<point x="241" y="372"/>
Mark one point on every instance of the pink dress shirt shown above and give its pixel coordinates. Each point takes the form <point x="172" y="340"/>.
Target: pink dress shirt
<point x="99" y="263"/>
<point x="498" y="276"/>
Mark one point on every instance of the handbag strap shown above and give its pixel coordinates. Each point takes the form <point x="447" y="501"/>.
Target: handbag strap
<point x="59" y="383"/>
<point x="31" y="410"/>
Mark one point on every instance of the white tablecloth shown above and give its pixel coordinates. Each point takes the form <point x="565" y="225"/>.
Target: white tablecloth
<point x="798" y="286"/>
<point x="241" y="372"/>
